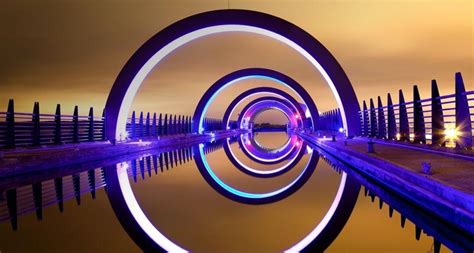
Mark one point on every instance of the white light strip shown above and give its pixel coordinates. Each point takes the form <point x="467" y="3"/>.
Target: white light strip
<point x="324" y="222"/>
<point x="138" y="214"/>
<point x="166" y="50"/>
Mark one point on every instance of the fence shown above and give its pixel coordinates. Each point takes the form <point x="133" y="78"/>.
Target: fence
<point x="437" y="120"/>
<point x="18" y="129"/>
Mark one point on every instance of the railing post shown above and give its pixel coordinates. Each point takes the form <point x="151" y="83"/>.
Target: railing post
<point x="12" y="207"/>
<point x="381" y="120"/>
<point x="365" y="118"/>
<point x="58" y="188"/>
<point x="38" y="199"/>
<point x="91" y="125"/>
<point x="160" y="125"/>
<point x="165" y="125"/>
<point x="140" y="125"/>
<point x="36" y="125"/>
<point x="373" y="120"/>
<point x="10" y="121"/>
<point x="57" y="125"/>
<point x="147" y="124"/>
<point x="418" y="119"/>
<point x="188" y="130"/>
<point x="175" y="128"/>
<point x="403" y="118"/>
<point x="132" y="126"/>
<point x="463" y="118"/>
<point x="75" y="125"/>
<point x="179" y="126"/>
<point x="437" y="121"/>
<point x="392" y="124"/>
<point x="104" y="125"/>
<point x="153" y="125"/>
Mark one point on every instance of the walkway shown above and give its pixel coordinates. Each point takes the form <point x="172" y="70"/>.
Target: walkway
<point x="449" y="191"/>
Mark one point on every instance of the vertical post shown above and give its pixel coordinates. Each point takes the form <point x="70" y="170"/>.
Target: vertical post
<point x="76" y="183"/>
<point x="104" y="126"/>
<point x="392" y="124"/>
<point x="153" y="125"/>
<point x="188" y="123"/>
<point x="175" y="128"/>
<point x="57" y="125"/>
<point x="36" y="125"/>
<point x="75" y="125"/>
<point x="365" y="116"/>
<point x="91" y="178"/>
<point x="132" y="126"/>
<point x="140" y="125"/>
<point x="91" y="125"/>
<point x="437" y="121"/>
<point x="463" y="118"/>
<point x="38" y="199"/>
<point x="403" y="118"/>
<point x="160" y="125"/>
<point x="147" y="124"/>
<point x="418" y="119"/>
<point x="373" y="119"/>
<point x="165" y="125"/>
<point x="58" y="187"/>
<point x="382" y="133"/>
<point x="12" y="207"/>
<point x="10" y="120"/>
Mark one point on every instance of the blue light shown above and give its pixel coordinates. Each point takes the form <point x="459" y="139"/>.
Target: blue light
<point x="201" y="117"/>
<point x="242" y="193"/>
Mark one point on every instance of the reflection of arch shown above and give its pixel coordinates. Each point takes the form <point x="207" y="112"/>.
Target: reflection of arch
<point x="252" y="149"/>
<point x="150" y="239"/>
<point x="293" y="155"/>
<point x="254" y="198"/>
<point x="257" y="91"/>
<point x="243" y="74"/>
<point x="259" y="105"/>
<point x="181" y="32"/>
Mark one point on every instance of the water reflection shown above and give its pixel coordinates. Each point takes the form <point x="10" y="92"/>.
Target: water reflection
<point x="197" y="217"/>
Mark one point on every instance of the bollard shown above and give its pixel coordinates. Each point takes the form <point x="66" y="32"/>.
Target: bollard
<point x="333" y="138"/>
<point x="426" y="168"/>
<point x="371" y="148"/>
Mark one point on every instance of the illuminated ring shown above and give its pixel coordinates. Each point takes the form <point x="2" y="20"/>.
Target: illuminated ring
<point x="244" y="74"/>
<point x="166" y="41"/>
<point x="253" y="198"/>
<point x="180" y="33"/>
<point x="294" y="158"/>
<point x="150" y="239"/>
<point x="258" y="91"/>
<point x="253" y="151"/>
<point x="259" y="105"/>
<point x="257" y="154"/>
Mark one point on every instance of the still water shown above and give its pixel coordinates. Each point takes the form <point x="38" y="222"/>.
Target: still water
<point x="176" y="199"/>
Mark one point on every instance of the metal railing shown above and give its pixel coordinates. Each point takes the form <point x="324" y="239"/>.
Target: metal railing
<point x="438" y="120"/>
<point x="19" y="129"/>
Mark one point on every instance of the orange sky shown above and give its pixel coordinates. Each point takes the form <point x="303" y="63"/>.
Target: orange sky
<point x="70" y="52"/>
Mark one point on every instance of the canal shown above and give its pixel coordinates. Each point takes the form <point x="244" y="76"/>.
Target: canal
<point x="170" y="190"/>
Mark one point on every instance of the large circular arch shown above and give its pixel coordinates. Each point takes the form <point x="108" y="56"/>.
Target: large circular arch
<point x="258" y="91"/>
<point x="188" y="29"/>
